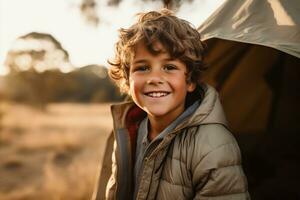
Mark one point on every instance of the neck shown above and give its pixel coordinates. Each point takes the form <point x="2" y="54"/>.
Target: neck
<point x="156" y="126"/>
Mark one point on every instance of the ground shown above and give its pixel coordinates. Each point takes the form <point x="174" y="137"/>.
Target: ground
<point x="53" y="153"/>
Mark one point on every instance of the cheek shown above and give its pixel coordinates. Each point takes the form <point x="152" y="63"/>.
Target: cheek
<point x="180" y="83"/>
<point x="135" y="85"/>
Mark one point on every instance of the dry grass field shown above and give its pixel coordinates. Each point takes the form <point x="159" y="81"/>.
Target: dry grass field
<point x="52" y="154"/>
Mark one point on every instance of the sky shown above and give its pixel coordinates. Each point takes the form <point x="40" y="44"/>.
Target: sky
<point x="85" y="44"/>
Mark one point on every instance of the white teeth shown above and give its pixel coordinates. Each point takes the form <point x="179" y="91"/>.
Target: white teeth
<point x="157" y="94"/>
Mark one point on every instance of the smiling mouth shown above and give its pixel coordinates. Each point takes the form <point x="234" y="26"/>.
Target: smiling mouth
<point x="157" y="94"/>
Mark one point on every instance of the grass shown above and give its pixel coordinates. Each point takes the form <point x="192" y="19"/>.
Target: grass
<point x="52" y="154"/>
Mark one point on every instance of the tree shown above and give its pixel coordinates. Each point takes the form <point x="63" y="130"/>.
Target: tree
<point x="39" y="52"/>
<point x="31" y="55"/>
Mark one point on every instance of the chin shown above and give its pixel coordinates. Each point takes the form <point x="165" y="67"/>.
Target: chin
<point x="157" y="113"/>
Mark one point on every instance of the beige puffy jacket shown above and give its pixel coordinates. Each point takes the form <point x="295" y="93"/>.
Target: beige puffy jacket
<point x="199" y="159"/>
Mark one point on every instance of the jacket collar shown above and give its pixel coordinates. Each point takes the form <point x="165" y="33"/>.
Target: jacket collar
<point x="210" y="110"/>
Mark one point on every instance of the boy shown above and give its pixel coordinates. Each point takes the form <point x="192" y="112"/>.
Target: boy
<point x="171" y="141"/>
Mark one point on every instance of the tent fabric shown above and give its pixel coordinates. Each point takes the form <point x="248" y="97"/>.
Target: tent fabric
<point x="253" y="51"/>
<point x="259" y="86"/>
<point x="272" y="23"/>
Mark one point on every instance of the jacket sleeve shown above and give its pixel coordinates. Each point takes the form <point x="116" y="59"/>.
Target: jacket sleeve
<point x="111" y="185"/>
<point x="218" y="175"/>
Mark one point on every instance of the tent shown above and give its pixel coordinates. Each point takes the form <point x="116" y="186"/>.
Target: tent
<point x="254" y="61"/>
<point x="253" y="58"/>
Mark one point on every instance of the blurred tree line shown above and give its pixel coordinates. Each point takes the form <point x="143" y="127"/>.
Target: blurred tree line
<point x="86" y="84"/>
<point x="40" y="73"/>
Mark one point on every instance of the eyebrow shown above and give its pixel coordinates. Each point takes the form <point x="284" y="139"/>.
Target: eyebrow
<point x="140" y="61"/>
<point x="145" y="60"/>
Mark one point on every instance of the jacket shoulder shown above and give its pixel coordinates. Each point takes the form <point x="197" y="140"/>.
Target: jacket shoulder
<point x="214" y="140"/>
<point x="214" y="135"/>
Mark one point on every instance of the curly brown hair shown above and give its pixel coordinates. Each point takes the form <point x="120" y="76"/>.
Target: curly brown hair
<point x="179" y="37"/>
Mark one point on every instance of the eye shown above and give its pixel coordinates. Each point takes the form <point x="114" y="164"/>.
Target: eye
<point x="170" y="67"/>
<point x="140" y="68"/>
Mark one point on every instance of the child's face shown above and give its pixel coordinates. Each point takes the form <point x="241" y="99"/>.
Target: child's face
<point x="158" y="83"/>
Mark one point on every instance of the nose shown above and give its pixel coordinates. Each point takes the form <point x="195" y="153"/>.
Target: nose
<point x="155" y="77"/>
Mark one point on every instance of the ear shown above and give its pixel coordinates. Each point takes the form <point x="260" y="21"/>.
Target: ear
<point x="191" y="87"/>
